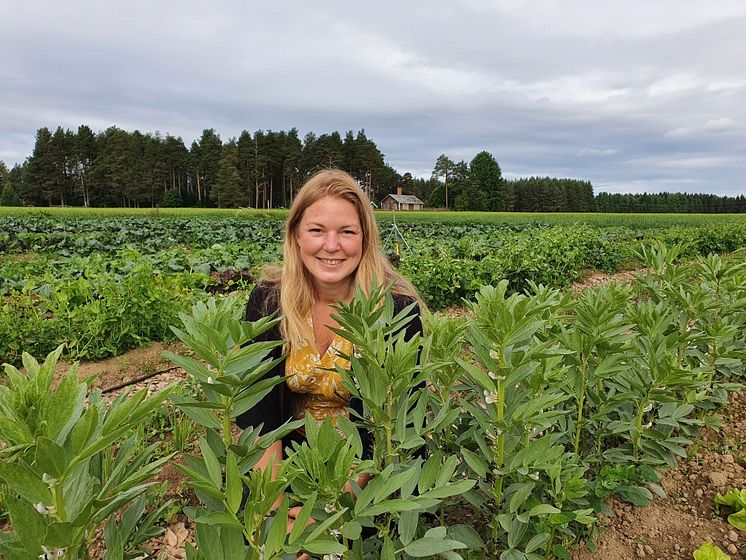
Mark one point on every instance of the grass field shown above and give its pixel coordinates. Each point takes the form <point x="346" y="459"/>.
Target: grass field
<point x="428" y="216"/>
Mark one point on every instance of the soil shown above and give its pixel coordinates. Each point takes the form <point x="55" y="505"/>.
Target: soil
<point x="670" y="528"/>
<point x="673" y="527"/>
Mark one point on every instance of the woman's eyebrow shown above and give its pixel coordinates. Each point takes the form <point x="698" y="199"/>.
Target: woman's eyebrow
<point x="350" y="226"/>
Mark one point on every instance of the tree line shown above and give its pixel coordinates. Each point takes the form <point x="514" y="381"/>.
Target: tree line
<point x="670" y="202"/>
<point x="132" y="169"/>
<point x="117" y="168"/>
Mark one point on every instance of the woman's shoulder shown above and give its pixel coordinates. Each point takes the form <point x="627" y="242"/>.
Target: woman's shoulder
<point x="264" y="299"/>
<point x="402" y="300"/>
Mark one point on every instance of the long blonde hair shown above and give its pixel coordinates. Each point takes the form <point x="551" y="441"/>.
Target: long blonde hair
<point x="294" y="282"/>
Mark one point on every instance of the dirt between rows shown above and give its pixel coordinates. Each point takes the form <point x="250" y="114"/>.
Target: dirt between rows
<point x="670" y="528"/>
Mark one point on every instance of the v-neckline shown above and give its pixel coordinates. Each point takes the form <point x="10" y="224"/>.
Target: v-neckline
<point x="316" y="342"/>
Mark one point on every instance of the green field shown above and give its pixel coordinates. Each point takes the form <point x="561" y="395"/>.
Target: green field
<point x="539" y="405"/>
<point x="427" y="216"/>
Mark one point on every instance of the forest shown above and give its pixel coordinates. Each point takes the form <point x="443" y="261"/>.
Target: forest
<point x="117" y="168"/>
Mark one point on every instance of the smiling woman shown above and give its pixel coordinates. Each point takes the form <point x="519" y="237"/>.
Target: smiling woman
<point x="331" y="247"/>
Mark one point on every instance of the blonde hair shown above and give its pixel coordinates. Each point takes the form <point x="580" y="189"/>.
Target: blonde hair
<point x="294" y="282"/>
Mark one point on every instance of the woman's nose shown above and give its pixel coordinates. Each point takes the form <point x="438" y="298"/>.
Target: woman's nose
<point x="331" y="242"/>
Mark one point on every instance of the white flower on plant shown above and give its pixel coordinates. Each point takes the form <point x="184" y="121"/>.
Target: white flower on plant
<point x="534" y="475"/>
<point x="330" y="508"/>
<point x="336" y="532"/>
<point x="49" y="480"/>
<point x="332" y="557"/>
<point x="648" y="425"/>
<point x="648" y="408"/>
<point x="490" y="398"/>
<point x="51" y="554"/>
<point x="210" y="380"/>
<point x="45" y="510"/>
<point x="494" y="355"/>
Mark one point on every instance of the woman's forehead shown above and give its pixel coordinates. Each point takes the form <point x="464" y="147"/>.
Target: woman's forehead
<point x="328" y="210"/>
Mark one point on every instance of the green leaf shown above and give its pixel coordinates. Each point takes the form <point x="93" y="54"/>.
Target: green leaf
<point x="738" y="520"/>
<point x="636" y="495"/>
<point x="709" y="551"/>
<point x="14" y="433"/>
<point x="520" y="496"/>
<point x="475" y="462"/>
<point x="211" y="464"/>
<point x="450" y="489"/>
<point x="320" y="528"/>
<point x="190" y="365"/>
<point x="512" y="554"/>
<point x="278" y="530"/>
<point x="352" y="530"/>
<point x="429" y="546"/>
<point x="84" y="429"/>
<point x="219" y="518"/>
<point x="466" y="534"/>
<point x="50" y="457"/>
<point x="65" y="407"/>
<point x="537" y="541"/>
<point x="408" y="526"/>
<point x="429" y="472"/>
<point x="734" y="498"/>
<point x="231" y="539"/>
<point x="199" y="414"/>
<point x="543" y="509"/>
<point x="233" y="486"/>
<point x="24" y="481"/>
<point x="28" y="525"/>
<point x="302" y="518"/>
<point x="324" y="546"/>
<point x="388" y="552"/>
<point x="393" y="484"/>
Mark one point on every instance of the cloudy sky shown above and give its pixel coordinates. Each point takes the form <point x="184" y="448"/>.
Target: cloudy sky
<point x="634" y="95"/>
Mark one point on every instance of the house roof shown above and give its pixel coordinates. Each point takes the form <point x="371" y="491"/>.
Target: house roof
<point x="404" y="198"/>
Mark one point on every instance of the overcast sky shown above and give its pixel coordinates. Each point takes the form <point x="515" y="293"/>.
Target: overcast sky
<point x="633" y="95"/>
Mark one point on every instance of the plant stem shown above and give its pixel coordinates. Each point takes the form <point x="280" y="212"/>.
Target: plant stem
<point x="638" y="429"/>
<point x="227" y="435"/>
<point x="581" y="404"/>
<point x="500" y="442"/>
<point x="59" y="501"/>
<point x="389" y="432"/>
<point x="548" y="554"/>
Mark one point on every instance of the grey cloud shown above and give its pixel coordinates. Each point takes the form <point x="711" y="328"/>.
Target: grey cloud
<point x="641" y="96"/>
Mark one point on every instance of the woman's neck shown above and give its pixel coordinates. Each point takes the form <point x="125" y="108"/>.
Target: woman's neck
<point x="331" y="295"/>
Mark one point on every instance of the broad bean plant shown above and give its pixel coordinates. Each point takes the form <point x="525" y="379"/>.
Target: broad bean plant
<point x="69" y="461"/>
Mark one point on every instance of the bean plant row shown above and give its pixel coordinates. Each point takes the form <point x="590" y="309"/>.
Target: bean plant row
<point x="496" y="434"/>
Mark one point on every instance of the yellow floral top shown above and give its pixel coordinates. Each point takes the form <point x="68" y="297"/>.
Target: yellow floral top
<point x="316" y="387"/>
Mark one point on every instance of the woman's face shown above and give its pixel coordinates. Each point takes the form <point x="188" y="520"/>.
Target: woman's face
<point x="330" y="238"/>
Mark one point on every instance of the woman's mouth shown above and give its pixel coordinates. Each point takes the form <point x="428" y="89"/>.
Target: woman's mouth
<point x="331" y="262"/>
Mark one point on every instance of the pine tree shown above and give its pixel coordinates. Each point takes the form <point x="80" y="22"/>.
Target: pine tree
<point x="227" y="191"/>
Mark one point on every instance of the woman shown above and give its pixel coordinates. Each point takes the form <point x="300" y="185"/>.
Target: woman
<point x="331" y="247"/>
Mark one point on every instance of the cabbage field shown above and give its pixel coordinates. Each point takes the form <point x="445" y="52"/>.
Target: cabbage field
<point x="499" y="433"/>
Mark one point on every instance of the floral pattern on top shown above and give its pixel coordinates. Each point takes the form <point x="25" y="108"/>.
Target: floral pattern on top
<point x="316" y="387"/>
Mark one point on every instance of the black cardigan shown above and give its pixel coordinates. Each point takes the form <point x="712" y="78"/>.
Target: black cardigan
<point x="275" y="409"/>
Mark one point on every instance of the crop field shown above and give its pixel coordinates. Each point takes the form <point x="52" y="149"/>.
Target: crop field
<point x="501" y="433"/>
